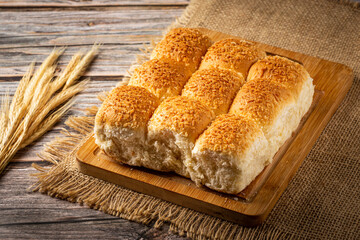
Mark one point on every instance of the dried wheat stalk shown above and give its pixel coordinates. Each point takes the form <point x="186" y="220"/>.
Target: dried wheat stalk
<point x="39" y="102"/>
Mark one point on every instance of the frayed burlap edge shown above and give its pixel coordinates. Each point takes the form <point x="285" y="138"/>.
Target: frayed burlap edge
<point x="64" y="181"/>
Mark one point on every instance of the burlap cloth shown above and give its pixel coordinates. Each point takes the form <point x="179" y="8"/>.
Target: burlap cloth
<point x="323" y="199"/>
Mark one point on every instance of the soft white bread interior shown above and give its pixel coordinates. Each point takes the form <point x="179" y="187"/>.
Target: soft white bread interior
<point x="184" y="45"/>
<point x="216" y="88"/>
<point x="163" y="78"/>
<point x="232" y="54"/>
<point x="173" y="129"/>
<point x="121" y="123"/>
<point x="229" y="154"/>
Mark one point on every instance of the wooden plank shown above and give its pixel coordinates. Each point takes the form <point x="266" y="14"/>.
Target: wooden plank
<point x="89" y="22"/>
<point x="25" y="38"/>
<point x="113" y="60"/>
<point x="332" y="79"/>
<point x="110" y="55"/>
<point x="92" y="3"/>
<point x="32" y="35"/>
<point x="25" y="214"/>
<point x="24" y="24"/>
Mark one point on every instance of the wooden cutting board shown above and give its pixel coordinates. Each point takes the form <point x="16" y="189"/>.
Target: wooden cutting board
<point x="251" y="207"/>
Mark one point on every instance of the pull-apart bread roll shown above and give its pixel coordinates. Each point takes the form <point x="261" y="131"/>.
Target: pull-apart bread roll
<point x="121" y="123"/>
<point x="184" y="45"/>
<point x="277" y="95"/>
<point x="267" y="109"/>
<point x="163" y="78"/>
<point x="178" y="121"/>
<point x="288" y="73"/>
<point x="232" y="54"/>
<point x="271" y="105"/>
<point x="229" y="154"/>
<point x="210" y="90"/>
<point x="221" y="131"/>
<point x="216" y="88"/>
<point x="173" y="129"/>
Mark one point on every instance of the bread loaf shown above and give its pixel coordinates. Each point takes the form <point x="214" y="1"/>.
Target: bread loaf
<point x="230" y="154"/>
<point x="121" y="122"/>
<point x="210" y="89"/>
<point x="221" y="131"/>
<point x="277" y="95"/>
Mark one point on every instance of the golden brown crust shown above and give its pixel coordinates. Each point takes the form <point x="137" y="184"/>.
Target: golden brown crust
<point x="234" y="54"/>
<point x="261" y="99"/>
<point x="229" y="133"/>
<point x="282" y="70"/>
<point x="184" y="45"/>
<point x="127" y="106"/>
<point x="216" y="88"/>
<point x="164" y="78"/>
<point x="182" y="115"/>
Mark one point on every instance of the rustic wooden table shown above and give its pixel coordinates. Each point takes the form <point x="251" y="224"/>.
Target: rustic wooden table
<point x="29" y="30"/>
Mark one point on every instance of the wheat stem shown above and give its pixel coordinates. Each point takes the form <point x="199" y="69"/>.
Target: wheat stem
<point x="39" y="102"/>
<point x="47" y="124"/>
<point x="5" y="109"/>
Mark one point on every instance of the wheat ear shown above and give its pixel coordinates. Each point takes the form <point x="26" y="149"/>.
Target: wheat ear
<point x="40" y="100"/>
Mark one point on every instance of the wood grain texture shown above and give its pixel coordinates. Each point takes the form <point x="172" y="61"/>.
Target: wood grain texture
<point x="87" y="3"/>
<point x="30" y="35"/>
<point x="25" y="214"/>
<point x="333" y="80"/>
<point x="29" y="30"/>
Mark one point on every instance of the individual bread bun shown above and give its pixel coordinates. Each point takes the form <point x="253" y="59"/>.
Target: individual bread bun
<point x="216" y="88"/>
<point x="184" y="45"/>
<point x="261" y="99"/>
<point x="174" y="127"/>
<point x="270" y="105"/>
<point x="232" y="54"/>
<point x="229" y="154"/>
<point x="121" y="123"/>
<point x="163" y="78"/>
<point x="290" y="74"/>
<point x="282" y="70"/>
